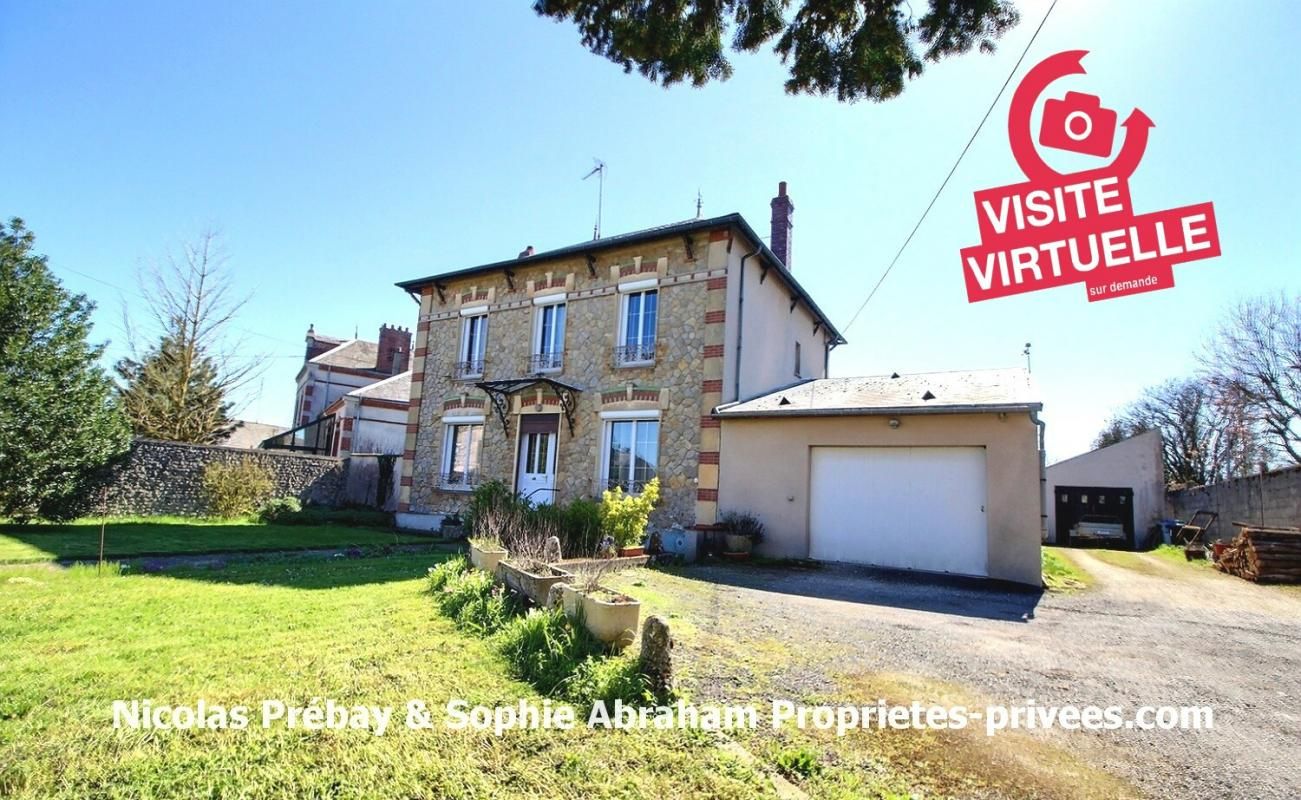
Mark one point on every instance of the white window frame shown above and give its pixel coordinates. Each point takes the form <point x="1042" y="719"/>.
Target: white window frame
<point x="625" y="298"/>
<point x="467" y="322"/>
<point x="449" y="425"/>
<point x="608" y="418"/>
<point x="542" y="304"/>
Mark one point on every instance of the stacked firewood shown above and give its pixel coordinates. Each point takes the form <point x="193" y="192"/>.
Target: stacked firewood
<point x="1263" y="554"/>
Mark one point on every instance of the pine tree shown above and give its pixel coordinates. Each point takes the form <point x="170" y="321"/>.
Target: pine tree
<point x="59" y="422"/>
<point x="175" y="395"/>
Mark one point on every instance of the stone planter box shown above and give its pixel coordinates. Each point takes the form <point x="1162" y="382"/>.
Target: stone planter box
<point x="534" y="587"/>
<point x="609" y="616"/>
<point x="737" y="544"/>
<point x="486" y="560"/>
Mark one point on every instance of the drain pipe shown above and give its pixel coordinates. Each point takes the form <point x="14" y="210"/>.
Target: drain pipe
<point x="1043" y="477"/>
<point x="740" y="327"/>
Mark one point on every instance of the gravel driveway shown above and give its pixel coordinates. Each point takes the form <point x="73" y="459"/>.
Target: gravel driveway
<point x="1166" y="635"/>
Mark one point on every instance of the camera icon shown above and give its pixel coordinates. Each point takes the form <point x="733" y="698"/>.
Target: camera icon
<point x="1078" y="123"/>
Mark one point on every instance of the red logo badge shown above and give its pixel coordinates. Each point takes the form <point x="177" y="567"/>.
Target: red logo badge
<point x="1057" y="229"/>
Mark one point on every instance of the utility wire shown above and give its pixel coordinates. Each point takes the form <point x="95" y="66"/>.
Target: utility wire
<point x="954" y="169"/>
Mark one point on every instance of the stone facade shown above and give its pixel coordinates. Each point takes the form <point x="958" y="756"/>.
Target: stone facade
<point x="167" y="477"/>
<point x="672" y="386"/>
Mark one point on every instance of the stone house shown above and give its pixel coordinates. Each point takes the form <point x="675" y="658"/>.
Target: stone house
<point x="333" y="367"/>
<point x="566" y="372"/>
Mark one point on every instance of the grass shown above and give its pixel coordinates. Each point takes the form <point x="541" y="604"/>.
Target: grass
<point x="1061" y="573"/>
<point x="358" y="631"/>
<point x="1175" y="554"/>
<point x="136" y="536"/>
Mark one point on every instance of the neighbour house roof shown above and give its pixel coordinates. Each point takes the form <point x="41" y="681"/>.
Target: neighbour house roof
<point x="985" y="390"/>
<point x="352" y="354"/>
<point x="396" y="388"/>
<point x="647" y="234"/>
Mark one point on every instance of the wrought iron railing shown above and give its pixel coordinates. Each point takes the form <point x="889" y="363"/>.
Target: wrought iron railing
<point x="462" y="370"/>
<point x="635" y="352"/>
<point x="459" y="480"/>
<point x="546" y="362"/>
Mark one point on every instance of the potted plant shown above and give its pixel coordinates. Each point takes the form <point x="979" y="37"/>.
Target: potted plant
<point x="527" y="572"/>
<point x="741" y="532"/>
<point x="609" y="615"/>
<point x="624" y="516"/>
<point x="491" y="529"/>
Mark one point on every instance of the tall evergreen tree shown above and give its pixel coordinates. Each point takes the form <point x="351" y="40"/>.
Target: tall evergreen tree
<point x="178" y="389"/>
<point x="59" y="422"/>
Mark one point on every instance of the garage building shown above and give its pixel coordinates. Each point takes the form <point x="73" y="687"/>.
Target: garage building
<point x="939" y="472"/>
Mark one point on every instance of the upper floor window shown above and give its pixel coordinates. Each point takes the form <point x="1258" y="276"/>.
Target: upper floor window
<point x="549" y="338"/>
<point x="797" y="359"/>
<point x="474" y="343"/>
<point x="637" y="321"/>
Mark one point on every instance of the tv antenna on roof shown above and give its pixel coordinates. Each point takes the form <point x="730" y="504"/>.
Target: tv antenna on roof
<point x="599" y="172"/>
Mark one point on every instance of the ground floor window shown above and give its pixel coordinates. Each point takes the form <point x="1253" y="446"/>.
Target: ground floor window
<point x="631" y="453"/>
<point x="462" y="444"/>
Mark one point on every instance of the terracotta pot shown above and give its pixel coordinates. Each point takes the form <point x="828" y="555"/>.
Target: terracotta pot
<point x="628" y="552"/>
<point x="486" y="560"/>
<point x="737" y="544"/>
<point x="534" y="587"/>
<point x="613" y="621"/>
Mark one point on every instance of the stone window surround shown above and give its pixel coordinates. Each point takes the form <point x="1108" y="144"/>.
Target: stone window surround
<point x="540" y="304"/>
<point x="448" y="423"/>
<point x="626" y="290"/>
<point x="630" y="415"/>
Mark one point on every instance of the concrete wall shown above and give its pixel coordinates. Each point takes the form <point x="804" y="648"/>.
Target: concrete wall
<point x="1132" y="464"/>
<point x="1273" y="498"/>
<point x="167" y="477"/>
<point x="766" y="463"/>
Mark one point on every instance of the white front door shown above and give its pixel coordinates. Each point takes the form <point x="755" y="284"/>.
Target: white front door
<point x="917" y="508"/>
<point x="536" y="473"/>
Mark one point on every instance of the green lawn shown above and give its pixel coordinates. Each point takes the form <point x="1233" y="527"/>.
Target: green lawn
<point x="164" y="535"/>
<point x="358" y="631"/>
<point x="1060" y="572"/>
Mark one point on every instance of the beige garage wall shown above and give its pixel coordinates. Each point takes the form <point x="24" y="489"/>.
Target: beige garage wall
<point x="765" y="462"/>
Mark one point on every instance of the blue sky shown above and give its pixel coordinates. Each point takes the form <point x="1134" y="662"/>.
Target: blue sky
<point x="340" y="147"/>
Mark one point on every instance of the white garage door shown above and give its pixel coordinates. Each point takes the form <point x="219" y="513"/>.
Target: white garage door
<point x="903" y="507"/>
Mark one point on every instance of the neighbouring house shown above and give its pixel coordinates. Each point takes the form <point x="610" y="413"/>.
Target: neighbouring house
<point x="933" y="471"/>
<point x="249" y="435"/>
<point x="1123" y="483"/>
<point x="372" y="419"/>
<point x="333" y="368"/>
<point x="610" y="362"/>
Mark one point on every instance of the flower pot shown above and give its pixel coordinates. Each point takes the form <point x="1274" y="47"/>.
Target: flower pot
<point x="533" y="586"/>
<point x="629" y="552"/>
<point x="734" y="543"/>
<point x="609" y="616"/>
<point x="486" y="559"/>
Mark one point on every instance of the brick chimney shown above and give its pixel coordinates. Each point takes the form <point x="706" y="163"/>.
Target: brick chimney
<point x="394" y="349"/>
<point x="783" y="213"/>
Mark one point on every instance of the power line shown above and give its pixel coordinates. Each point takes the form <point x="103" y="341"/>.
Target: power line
<point x="954" y="169"/>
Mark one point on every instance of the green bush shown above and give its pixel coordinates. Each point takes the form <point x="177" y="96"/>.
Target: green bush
<point x="607" y="680"/>
<point x="487" y="497"/>
<point x="582" y="528"/>
<point x="345" y="517"/>
<point x="489" y="612"/>
<point x="461" y="590"/>
<point x="545" y="649"/>
<point x="624" y="517"/>
<point x="236" y="489"/>
<point x="443" y="574"/>
<point x="277" y="507"/>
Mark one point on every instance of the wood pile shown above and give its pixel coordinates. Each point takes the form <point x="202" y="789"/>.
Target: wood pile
<point x="1263" y="554"/>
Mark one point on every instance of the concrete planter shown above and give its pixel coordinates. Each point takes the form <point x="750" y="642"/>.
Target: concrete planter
<point x="534" y="587"/>
<point x="486" y="560"/>
<point x="735" y="544"/>
<point x="607" y="615"/>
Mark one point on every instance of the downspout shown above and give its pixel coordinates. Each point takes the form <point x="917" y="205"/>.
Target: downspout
<point x="1043" y="478"/>
<point x="740" y="326"/>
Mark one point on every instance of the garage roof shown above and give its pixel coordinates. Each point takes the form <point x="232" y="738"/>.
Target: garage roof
<point x="985" y="390"/>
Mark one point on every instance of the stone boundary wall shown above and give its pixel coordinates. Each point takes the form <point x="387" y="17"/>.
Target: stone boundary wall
<point x="1272" y="498"/>
<point x="167" y="477"/>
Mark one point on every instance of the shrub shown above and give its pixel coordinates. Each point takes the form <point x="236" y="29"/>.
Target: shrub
<point x="488" y="497"/>
<point x="277" y="508"/>
<point x="236" y="489"/>
<point x="624" y="517"/>
<point x="489" y="612"/>
<point x="581" y="529"/>
<point x="346" y="517"/>
<point x="461" y="590"/>
<point x="742" y="523"/>
<point x="607" y="680"/>
<point x="442" y="574"/>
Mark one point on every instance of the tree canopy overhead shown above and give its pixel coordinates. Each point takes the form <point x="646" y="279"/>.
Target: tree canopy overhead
<point x="854" y="49"/>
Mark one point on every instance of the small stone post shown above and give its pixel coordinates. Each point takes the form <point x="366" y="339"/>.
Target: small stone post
<point x="657" y="656"/>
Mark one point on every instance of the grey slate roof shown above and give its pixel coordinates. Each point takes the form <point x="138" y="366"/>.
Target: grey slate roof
<point x="396" y="388"/>
<point x="950" y="392"/>
<point x="604" y="243"/>
<point x="356" y="354"/>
